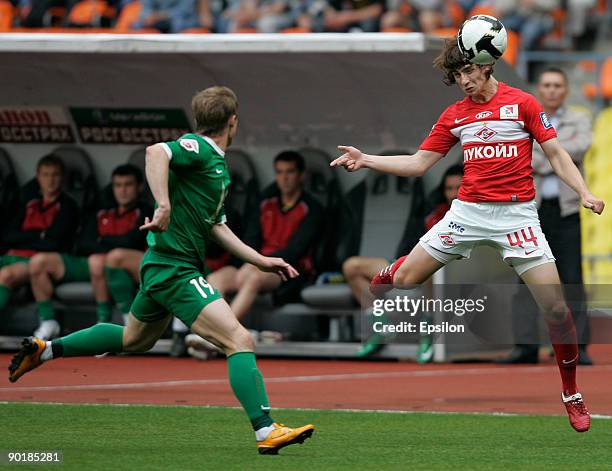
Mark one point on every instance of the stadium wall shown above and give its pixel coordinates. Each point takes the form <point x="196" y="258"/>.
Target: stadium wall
<point x="375" y="91"/>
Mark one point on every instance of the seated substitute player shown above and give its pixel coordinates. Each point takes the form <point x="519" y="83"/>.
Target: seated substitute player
<point x="189" y="180"/>
<point x="45" y="222"/>
<point x="359" y="270"/>
<point x="108" y="252"/>
<point x="496" y="124"/>
<point x="286" y="225"/>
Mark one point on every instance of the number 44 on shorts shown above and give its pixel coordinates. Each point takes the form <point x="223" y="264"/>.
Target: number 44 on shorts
<point x="518" y="241"/>
<point x="201" y="284"/>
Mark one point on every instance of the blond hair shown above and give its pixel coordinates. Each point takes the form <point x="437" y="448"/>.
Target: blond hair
<point x="212" y="108"/>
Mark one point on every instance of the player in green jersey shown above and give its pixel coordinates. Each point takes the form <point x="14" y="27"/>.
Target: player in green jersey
<point x="189" y="180"/>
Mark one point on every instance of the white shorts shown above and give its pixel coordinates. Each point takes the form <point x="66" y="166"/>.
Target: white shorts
<point x="511" y="228"/>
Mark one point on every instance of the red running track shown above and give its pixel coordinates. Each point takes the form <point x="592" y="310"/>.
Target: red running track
<point x="317" y="384"/>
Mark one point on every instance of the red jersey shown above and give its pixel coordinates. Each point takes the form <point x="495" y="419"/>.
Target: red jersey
<point x="497" y="140"/>
<point x="39" y="216"/>
<point x="278" y="227"/>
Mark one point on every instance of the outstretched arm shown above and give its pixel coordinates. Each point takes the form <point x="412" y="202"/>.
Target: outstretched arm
<point x="402" y="165"/>
<point x="567" y="171"/>
<point x="157" y="164"/>
<point x="224" y="236"/>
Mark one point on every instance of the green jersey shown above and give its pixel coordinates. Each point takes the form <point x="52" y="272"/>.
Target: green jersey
<point x="198" y="183"/>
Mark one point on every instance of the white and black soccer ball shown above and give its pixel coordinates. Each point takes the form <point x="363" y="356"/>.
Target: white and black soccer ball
<point x="482" y="39"/>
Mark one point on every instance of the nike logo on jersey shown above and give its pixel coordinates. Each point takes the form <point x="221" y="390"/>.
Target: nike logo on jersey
<point x="530" y="252"/>
<point x="457" y="120"/>
<point x="218" y="170"/>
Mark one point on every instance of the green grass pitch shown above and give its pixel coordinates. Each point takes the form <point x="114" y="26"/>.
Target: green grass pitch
<point x="110" y="437"/>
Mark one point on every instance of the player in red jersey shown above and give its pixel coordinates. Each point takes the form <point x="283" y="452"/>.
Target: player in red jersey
<point x="496" y="125"/>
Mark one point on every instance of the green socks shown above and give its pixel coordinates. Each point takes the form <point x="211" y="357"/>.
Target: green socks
<point x="46" y="312"/>
<point x="96" y="340"/>
<point x="248" y="386"/>
<point x="104" y="311"/>
<point x="5" y="295"/>
<point x="121" y="287"/>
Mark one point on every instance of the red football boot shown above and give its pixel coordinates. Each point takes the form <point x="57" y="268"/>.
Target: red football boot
<point x="383" y="282"/>
<point x="576" y="410"/>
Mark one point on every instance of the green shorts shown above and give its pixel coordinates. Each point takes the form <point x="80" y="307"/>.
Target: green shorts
<point x="173" y="287"/>
<point x="6" y="260"/>
<point x="76" y="268"/>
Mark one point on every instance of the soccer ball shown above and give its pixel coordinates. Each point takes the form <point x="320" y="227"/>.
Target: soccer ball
<point x="482" y="39"/>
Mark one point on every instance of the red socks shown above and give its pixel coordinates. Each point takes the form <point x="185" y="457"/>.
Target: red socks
<point x="397" y="264"/>
<point x="383" y="282"/>
<point x="563" y="339"/>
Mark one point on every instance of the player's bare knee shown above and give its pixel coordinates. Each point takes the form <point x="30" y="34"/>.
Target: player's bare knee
<point x="37" y="264"/>
<point x="556" y="311"/>
<point x="96" y="265"/>
<point x="253" y="280"/>
<point x="241" y="340"/>
<point x="6" y="277"/>
<point x="350" y="267"/>
<point x="114" y="258"/>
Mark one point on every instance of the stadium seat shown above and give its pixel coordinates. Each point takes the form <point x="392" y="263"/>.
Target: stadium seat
<point x="91" y="13"/>
<point x="137" y="158"/>
<point x="381" y="213"/>
<point x="57" y="15"/>
<point x="456" y="13"/>
<point x="81" y="183"/>
<point x="604" y="90"/>
<point x="605" y="79"/>
<point x="9" y="190"/>
<point x="75" y="292"/>
<point x="558" y="38"/>
<point x="7" y="12"/>
<point x="128" y="16"/>
<point x="322" y="182"/>
<point x="244" y="192"/>
<point x="589" y="90"/>
<point x="512" y="50"/>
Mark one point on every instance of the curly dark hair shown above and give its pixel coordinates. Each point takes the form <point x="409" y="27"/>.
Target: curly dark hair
<point x="451" y="59"/>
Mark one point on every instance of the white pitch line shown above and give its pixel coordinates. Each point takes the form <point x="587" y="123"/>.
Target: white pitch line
<point x="303" y="378"/>
<point x="301" y="409"/>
